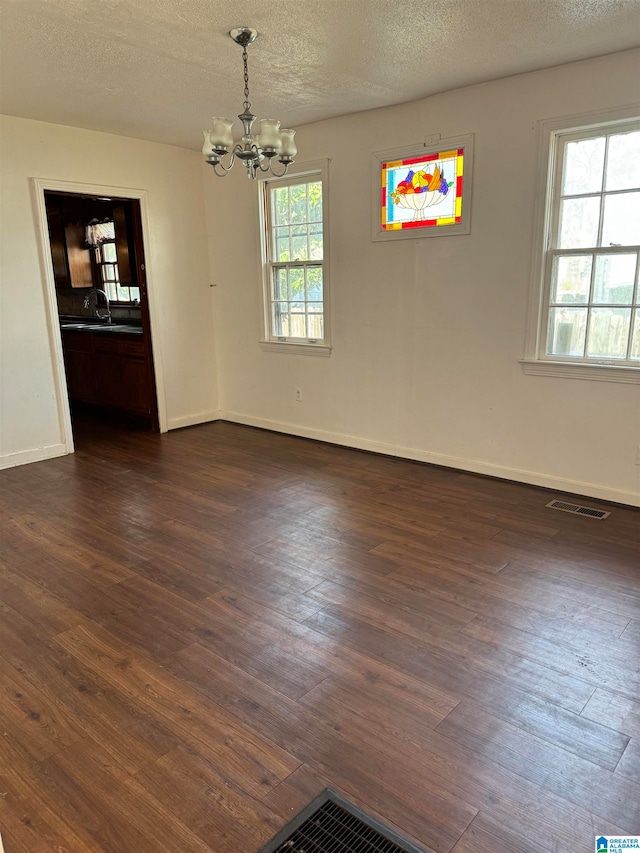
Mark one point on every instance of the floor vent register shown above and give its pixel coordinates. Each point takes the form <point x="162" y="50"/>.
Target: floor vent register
<point x="330" y="824"/>
<point x="589" y="511"/>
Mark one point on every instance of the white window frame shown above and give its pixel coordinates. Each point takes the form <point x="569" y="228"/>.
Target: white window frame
<point x="553" y="134"/>
<point x="317" y="170"/>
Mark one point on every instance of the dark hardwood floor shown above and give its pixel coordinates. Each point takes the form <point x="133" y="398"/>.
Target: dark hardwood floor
<point x="199" y="631"/>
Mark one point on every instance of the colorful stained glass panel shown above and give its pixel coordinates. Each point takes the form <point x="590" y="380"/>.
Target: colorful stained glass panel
<point x="424" y="191"/>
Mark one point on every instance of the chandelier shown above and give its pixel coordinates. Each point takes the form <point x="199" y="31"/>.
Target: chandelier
<point x="257" y="152"/>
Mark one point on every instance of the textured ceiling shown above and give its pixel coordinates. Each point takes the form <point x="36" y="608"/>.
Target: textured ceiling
<point x="158" y="69"/>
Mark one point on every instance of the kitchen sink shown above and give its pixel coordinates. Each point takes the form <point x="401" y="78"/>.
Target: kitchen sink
<point x="103" y="328"/>
<point x="75" y="325"/>
<point x="130" y="330"/>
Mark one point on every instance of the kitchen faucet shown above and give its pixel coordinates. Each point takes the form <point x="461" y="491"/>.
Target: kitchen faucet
<point x="97" y="292"/>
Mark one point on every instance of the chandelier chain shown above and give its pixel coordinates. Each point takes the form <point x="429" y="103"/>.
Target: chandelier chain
<point x="247" y="104"/>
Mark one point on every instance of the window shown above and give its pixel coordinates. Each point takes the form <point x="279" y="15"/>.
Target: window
<point x="295" y="261"/>
<point x="423" y="191"/>
<point x="100" y="237"/>
<point x="106" y="259"/>
<point x="590" y="308"/>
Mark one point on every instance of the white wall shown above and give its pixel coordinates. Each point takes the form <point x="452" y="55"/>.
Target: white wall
<point x="427" y="333"/>
<point x="175" y="245"/>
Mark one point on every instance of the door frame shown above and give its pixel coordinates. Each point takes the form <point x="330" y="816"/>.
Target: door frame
<point x="38" y="186"/>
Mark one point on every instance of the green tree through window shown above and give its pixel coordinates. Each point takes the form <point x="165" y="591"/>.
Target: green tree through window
<point x="294" y="245"/>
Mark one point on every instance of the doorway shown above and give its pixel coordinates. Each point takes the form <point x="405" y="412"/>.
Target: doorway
<point x="99" y="309"/>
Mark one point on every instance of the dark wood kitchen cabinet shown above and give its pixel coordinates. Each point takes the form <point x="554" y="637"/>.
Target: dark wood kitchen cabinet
<point x="58" y="245"/>
<point x="122" y="376"/>
<point x="108" y="369"/>
<point x="78" y="257"/>
<point x="79" y="366"/>
<point x="72" y="266"/>
<point x="106" y="362"/>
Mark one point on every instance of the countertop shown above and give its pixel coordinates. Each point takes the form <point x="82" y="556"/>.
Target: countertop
<point x="101" y="328"/>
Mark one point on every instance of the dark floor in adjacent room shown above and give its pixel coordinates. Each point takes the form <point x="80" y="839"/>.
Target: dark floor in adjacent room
<point x="200" y="631"/>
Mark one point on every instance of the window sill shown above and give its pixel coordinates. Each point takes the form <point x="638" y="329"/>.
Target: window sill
<point x="296" y="349"/>
<point x="575" y="370"/>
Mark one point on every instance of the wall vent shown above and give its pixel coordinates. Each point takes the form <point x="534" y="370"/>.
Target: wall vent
<point x="577" y="509"/>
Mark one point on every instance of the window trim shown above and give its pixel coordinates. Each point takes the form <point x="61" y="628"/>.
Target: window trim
<point x="294" y="346"/>
<point x="535" y="360"/>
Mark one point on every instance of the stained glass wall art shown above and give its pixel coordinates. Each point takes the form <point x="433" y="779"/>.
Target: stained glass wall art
<point x="423" y="192"/>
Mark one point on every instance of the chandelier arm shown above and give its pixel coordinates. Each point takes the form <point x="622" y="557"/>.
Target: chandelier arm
<point x="282" y="173"/>
<point x="225" y="170"/>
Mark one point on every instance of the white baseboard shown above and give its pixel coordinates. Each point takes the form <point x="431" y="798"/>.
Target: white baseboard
<point x="23" y="457"/>
<point x="192" y="420"/>
<point x="534" y="478"/>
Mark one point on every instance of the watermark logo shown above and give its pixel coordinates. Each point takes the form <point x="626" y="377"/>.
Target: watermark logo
<point x="617" y="843"/>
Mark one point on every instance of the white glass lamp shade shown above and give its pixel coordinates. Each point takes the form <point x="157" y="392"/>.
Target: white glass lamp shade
<point x="207" y="148"/>
<point x="220" y="135"/>
<point x="289" y="147"/>
<point x="270" y="134"/>
<point x="258" y="143"/>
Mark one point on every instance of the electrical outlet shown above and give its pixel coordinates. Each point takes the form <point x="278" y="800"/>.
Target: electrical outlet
<point x="298" y="395"/>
